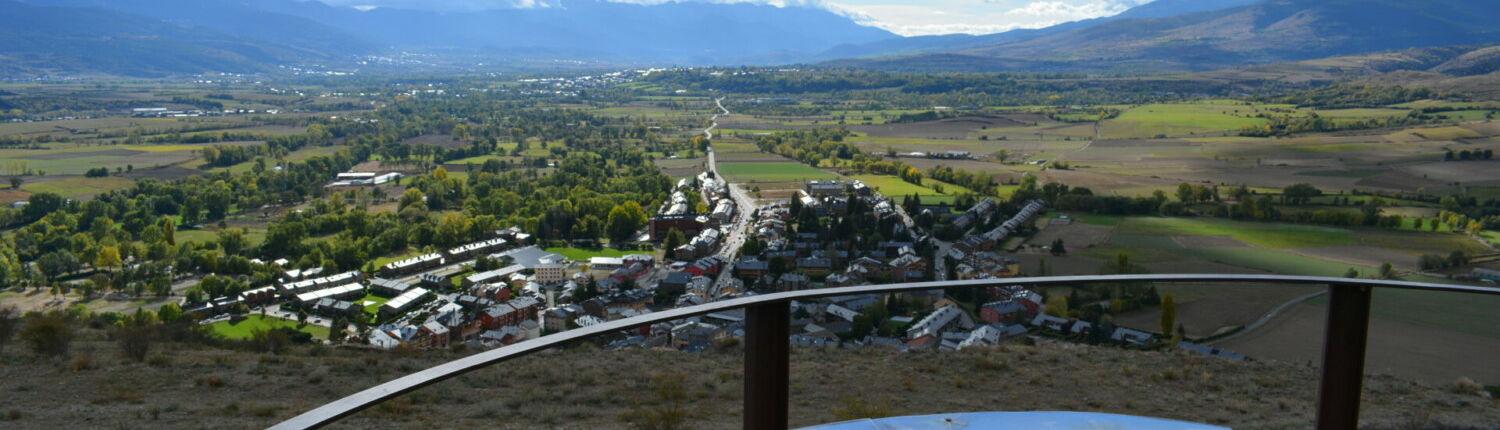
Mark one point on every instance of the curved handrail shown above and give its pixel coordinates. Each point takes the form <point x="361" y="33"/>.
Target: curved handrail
<point x="338" y="409"/>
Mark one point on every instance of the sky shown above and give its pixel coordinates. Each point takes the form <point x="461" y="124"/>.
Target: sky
<point x="903" y="17"/>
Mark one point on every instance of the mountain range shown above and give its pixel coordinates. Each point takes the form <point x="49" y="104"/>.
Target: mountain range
<point x="162" y="37"/>
<point x="1262" y="32"/>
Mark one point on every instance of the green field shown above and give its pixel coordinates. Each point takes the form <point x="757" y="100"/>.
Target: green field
<point x="1180" y="119"/>
<point x="1344" y="173"/>
<point x="581" y="254"/>
<point x="1463" y="313"/>
<point x="773" y="172"/>
<point x="725" y="147"/>
<point x="1255" y="258"/>
<point x="1491" y="236"/>
<point x="1362" y="113"/>
<point x="78" y="186"/>
<point x="1265" y="235"/>
<point x="1268" y="240"/>
<point x="253" y="236"/>
<point x="77" y="160"/>
<point x="244" y="328"/>
<point x="894" y="187"/>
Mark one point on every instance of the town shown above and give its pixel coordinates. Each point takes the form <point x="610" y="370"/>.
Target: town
<point x="503" y="289"/>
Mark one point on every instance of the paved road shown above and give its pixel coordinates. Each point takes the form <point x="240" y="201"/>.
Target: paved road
<point x="738" y="231"/>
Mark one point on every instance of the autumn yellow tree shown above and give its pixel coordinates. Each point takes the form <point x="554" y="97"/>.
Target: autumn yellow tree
<point x="1168" y="314"/>
<point x="109" y="256"/>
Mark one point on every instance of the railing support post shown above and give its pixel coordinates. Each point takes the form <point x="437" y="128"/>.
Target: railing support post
<point x="767" y="366"/>
<point x="1343" y="357"/>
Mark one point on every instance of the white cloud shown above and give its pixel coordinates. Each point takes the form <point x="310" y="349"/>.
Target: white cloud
<point x="1067" y="11"/>
<point x="903" y="17"/>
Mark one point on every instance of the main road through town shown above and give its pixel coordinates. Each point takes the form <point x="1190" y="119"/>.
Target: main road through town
<point x="737" y="232"/>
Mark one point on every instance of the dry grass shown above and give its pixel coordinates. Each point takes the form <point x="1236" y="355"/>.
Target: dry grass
<point x="588" y="388"/>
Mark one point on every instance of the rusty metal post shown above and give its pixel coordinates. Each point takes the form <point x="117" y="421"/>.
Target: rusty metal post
<point x="1344" y="357"/>
<point x="767" y="366"/>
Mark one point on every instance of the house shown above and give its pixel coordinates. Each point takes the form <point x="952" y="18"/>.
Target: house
<point x="705" y="267"/>
<point x="606" y="263"/>
<point x="388" y="287"/>
<point x="842" y="312"/>
<point x="633" y="271"/>
<point x="984" y="334"/>
<point x="792" y="282"/>
<point x="983" y="208"/>
<point x="432" y="334"/>
<point x="588" y="320"/>
<point x="470" y="250"/>
<point x="258" y="296"/>
<point x="412" y="265"/>
<point x="823" y="188"/>
<point x="941" y="320"/>
<point x="492" y="276"/>
<point x="841" y="280"/>
<point x="514" y="234"/>
<point x="908" y="268"/>
<point x="675" y="282"/>
<point x="634" y="299"/>
<point x="991" y="334"/>
<point x="1048" y="322"/>
<point x="404" y="302"/>
<point x="346" y="291"/>
<point x="689" y="332"/>
<point x="641" y="259"/>
<point x="814" y="266"/>
<point x="1001" y="312"/>
<point x="751" y="267"/>
<point x="527" y="306"/>
<point x="1081" y="328"/>
<point x="334" y="307"/>
<point x="556" y="319"/>
<point x="551" y="273"/>
<point x="723" y="212"/>
<point x="499" y="315"/>
<point x="434" y="282"/>
<point x="1133" y="337"/>
<point x="689" y="224"/>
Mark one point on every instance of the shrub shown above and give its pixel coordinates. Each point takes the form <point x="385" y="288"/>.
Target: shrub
<point x="48" y="334"/>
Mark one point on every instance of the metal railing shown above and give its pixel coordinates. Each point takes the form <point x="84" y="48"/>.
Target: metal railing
<point x="767" y="350"/>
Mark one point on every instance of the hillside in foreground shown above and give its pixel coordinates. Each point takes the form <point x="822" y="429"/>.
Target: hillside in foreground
<point x="188" y="386"/>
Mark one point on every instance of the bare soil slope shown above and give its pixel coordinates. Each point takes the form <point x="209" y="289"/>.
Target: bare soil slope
<point x="192" y="387"/>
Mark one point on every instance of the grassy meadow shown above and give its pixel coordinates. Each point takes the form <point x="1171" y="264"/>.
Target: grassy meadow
<point x="773" y="172"/>
<point x="243" y="329"/>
